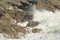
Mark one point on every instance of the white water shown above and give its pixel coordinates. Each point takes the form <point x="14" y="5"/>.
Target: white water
<point x="24" y="24"/>
<point x="49" y="23"/>
<point x="48" y="20"/>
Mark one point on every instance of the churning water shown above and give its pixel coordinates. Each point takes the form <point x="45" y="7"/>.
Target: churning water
<point x="49" y="23"/>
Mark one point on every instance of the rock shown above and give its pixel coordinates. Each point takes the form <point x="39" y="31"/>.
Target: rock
<point x="32" y="23"/>
<point x="7" y="27"/>
<point x="50" y="5"/>
<point x="41" y="4"/>
<point x="21" y="16"/>
<point x="36" y="30"/>
<point x="1" y="13"/>
<point x="32" y="1"/>
<point x="11" y="30"/>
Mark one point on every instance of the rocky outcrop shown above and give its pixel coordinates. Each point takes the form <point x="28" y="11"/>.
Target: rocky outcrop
<point x="51" y="5"/>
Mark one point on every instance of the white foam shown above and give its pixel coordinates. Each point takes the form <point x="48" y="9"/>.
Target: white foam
<point x="48" y="20"/>
<point x="23" y="24"/>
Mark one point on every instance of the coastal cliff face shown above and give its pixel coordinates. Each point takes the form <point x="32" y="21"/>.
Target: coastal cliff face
<point x="13" y="12"/>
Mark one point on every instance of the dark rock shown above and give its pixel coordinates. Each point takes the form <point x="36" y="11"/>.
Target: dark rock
<point x="32" y="1"/>
<point x="1" y="15"/>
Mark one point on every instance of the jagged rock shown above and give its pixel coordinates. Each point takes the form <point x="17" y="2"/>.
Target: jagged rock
<point x="11" y="30"/>
<point x="50" y="5"/>
<point x="7" y="27"/>
<point x="36" y="30"/>
<point x="20" y="16"/>
<point x="32" y="23"/>
<point x="41" y="4"/>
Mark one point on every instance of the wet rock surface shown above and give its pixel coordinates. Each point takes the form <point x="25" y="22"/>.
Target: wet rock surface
<point x="32" y="23"/>
<point x="36" y="30"/>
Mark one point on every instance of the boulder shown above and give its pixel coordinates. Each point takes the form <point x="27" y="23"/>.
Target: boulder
<point x="32" y="23"/>
<point x="36" y="30"/>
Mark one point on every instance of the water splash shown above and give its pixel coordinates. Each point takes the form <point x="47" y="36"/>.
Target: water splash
<point x="49" y="23"/>
<point x="48" y="20"/>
